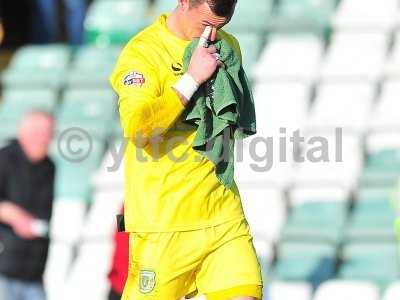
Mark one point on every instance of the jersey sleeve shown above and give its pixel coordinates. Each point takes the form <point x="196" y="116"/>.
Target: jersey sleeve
<point x="145" y="107"/>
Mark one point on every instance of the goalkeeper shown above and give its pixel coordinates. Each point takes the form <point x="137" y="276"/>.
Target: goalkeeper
<point x="189" y="234"/>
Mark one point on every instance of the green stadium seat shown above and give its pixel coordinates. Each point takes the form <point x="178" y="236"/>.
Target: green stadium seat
<point x="74" y="170"/>
<point x="92" y="67"/>
<point x="374" y="210"/>
<point x="94" y="58"/>
<point x="66" y="160"/>
<point x="316" y="222"/>
<point x="37" y="66"/>
<point x="98" y="130"/>
<point x="382" y="169"/>
<point x="387" y="159"/>
<point x="89" y="104"/>
<point x="305" y="262"/>
<point x="49" y="57"/>
<point x="378" y="177"/>
<point x="302" y="16"/>
<point x="371" y="193"/>
<point x="16" y="103"/>
<point x="370" y="262"/>
<point x="85" y="78"/>
<point x="70" y="185"/>
<point x="250" y="15"/>
<point x="372" y="220"/>
<point x="115" y="22"/>
<point x="92" y="110"/>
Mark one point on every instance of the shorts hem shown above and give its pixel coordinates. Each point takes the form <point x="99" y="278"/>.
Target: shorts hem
<point x="249" y="290"/>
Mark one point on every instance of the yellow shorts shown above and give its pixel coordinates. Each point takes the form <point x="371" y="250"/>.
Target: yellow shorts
<point x="219" y="262"/>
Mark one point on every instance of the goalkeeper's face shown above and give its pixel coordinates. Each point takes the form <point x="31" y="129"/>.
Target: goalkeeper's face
<point x="200" y="16"/>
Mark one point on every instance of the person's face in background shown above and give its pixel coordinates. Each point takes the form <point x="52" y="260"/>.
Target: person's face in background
<point x="198" y="17"/>
<point x="35" y="135"/>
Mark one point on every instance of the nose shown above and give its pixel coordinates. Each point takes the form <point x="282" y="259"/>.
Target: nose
<point x="213" y="35"/>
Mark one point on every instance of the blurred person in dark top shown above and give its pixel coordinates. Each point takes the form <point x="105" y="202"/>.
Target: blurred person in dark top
<point x="45" y="20"/>
<point x="119" y="269"/>
<point x="15" y="20"/>
<point x="26" y="196"/>
<point x="1" y="25"/>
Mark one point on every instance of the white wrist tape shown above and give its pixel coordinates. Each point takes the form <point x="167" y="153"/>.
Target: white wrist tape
<point x="187" y="86"/>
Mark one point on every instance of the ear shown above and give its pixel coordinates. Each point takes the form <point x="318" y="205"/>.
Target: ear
<point x="184" y="4"/>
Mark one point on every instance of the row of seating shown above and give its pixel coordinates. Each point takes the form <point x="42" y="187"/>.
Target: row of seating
<point x="127" y="17"/>
<point x="54" y="66"/>
<point x="272" y="15"/>
<point x="303" y="58"/>
<point x="316" y="240"/>
<point x="321" y="214"/>
<point x="331" y="290"/>
<point x="348" y="56"/>
<point x="350" y="106"/>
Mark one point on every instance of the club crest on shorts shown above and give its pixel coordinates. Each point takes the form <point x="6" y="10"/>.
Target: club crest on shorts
<point x="147" y="281"/>
<point x="135" y="79"/>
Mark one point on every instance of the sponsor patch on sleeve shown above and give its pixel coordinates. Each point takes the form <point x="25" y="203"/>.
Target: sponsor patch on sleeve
<point x="135" y="79"/>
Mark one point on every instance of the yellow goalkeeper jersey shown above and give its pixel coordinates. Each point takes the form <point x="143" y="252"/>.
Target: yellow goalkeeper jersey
<point x="168" y="185"/>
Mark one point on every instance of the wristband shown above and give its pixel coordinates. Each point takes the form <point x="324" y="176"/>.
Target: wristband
<point x="186" y="86"/>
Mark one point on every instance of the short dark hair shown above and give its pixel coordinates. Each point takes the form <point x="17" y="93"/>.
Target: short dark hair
<point x="222" y="8"/>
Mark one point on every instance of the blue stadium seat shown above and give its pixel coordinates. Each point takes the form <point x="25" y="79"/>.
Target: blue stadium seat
<point x="316" y="222"/>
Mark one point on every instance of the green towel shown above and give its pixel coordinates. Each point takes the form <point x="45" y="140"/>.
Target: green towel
<point x="222" y="109"/>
